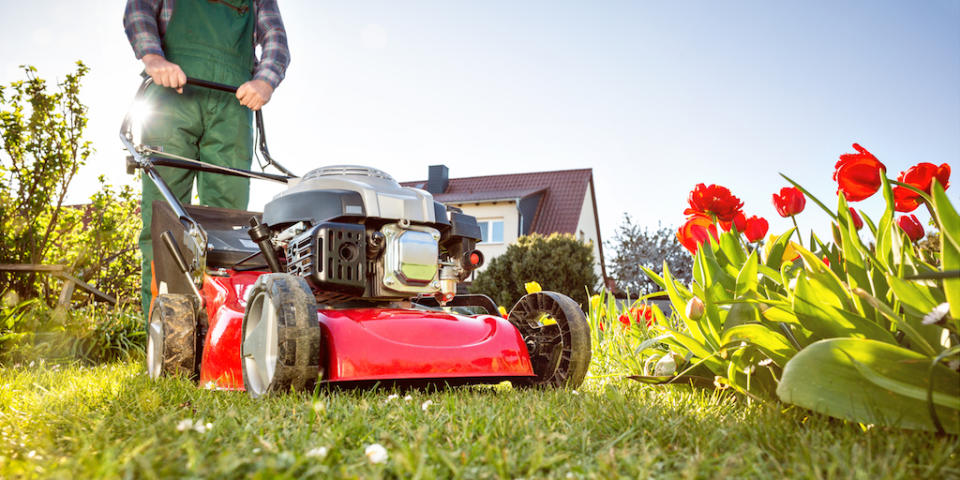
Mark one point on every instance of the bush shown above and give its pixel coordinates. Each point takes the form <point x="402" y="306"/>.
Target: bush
<point x="558" y="262"/>
<point x="42" y="150"/>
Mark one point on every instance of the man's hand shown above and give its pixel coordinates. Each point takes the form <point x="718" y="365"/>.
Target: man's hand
<point x="164" y="73"/>
<point x="254" y="94"/>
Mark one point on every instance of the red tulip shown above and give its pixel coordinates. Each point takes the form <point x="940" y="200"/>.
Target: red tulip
<point x="920" y="176"/>
<point x="755" y="229"/>
<point x="857" y="221"/>
<point x="739" y="221"/>
<point x="644" y="312"/>
<point x="789" y="202"/>
<point x="697" y="229"/>
<point x="911" y="226"/>
<point x="858" y="174"/>
<point x="713" y="200"/>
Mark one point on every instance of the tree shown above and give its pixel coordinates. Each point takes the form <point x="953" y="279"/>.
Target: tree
<point x="43" y="148"/>
<point x="634" y="247"/>
<point x="558" y="262"/>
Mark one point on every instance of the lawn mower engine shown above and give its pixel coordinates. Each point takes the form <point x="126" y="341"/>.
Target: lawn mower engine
<point x="354" y="232"/>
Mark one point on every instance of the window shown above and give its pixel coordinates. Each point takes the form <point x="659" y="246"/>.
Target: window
<point x="491" y="231"/>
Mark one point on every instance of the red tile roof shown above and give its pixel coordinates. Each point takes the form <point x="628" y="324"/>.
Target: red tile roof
<point x="559" y="210"/>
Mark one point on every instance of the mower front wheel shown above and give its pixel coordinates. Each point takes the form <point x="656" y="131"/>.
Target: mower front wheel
<point x="172" y="337"/>
<point x="557" y="336"/>
<point x="281" y="336"/>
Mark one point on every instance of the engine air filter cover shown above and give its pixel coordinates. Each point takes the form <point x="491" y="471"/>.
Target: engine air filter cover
<point x="331" y="256"/>
<point x="410" y="258"/>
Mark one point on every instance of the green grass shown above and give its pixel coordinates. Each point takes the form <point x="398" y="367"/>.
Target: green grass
<point x="112" y="421"/>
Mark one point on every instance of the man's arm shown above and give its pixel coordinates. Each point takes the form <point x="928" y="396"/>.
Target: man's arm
<point x="140" y="23"/>
<point x="274" y="58"/>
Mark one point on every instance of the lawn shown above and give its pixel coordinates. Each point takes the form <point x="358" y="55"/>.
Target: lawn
<point x="112" y="421"/>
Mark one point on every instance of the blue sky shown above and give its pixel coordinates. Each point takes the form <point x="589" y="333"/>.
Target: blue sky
<point x="654" y="96"/>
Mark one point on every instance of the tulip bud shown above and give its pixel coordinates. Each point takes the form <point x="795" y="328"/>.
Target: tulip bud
<point x="665" y="366"/>
<point x="694" y="308"/>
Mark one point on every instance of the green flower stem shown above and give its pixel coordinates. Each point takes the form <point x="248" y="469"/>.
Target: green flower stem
<point x="933" y="214"/>
<point x="799" y="237"/>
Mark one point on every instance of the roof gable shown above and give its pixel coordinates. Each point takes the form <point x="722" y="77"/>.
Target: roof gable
<point x="563" y="192"/>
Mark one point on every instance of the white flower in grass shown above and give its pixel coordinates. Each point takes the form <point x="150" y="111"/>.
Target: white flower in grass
<point x="319" y="407"/>
<point x="391" y="397"/>
<point x="319" y="452"/>
<point x="197" y="426"/>
<point x="376" y="453"/>
<point x="936" y="314"/>
<point x="574" y="392"/>
<point x="211" y="385"/>
<point x="425" y="405"/>
<point x="408" y="398"/>
<point x="185" y="424"/>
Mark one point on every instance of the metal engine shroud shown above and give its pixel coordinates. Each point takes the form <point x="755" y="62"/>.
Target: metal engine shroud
<point x="356" y="232"/>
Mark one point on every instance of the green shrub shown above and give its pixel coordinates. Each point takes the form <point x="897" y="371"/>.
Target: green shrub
<point x="560" y="263"/>
<point x="42" y="149"/>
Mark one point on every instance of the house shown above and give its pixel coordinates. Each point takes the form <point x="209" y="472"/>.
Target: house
<point x="508" y="206"/>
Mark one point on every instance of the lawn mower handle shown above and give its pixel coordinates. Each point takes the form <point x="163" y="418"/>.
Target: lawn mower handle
<point x="258" y="115"/>
<point x="212" y="85"/>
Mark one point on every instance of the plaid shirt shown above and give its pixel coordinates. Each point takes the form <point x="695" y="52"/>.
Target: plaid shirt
<point x="145" y="22"/>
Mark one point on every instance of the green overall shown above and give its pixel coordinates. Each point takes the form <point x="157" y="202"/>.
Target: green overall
<point x="210" y="40"/>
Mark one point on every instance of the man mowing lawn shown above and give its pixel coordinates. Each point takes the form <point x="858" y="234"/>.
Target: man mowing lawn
<point x="212" y="40"/>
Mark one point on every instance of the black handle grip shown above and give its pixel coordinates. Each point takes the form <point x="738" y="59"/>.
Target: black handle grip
<point x="212" y="85"/>
<point x="171" y="245"/>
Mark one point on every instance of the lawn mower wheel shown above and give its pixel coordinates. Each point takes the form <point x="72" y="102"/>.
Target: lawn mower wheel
<point x="559" y="352"/>
<point x="281" y="336"/>
<point x="172" y="337"/>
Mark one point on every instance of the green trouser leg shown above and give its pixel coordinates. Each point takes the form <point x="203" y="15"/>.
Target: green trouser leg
<point x="207" y="125"/>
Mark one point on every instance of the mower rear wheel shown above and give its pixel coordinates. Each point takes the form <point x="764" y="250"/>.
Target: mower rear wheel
<point x="172" y="337"/>
<point x="557" y="336"/>
<point x="281" y="336"/>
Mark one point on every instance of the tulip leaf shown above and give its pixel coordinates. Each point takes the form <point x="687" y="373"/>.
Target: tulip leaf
<point x="698" y="349"/>
<point x="871" y="382"/>
<point x="747" y="278"/>
<point x="886" y="232"/>
<point x="771" y="343"/>
<point x="853" y="256"/>
<point x="868" y="222"/>
<point x="741" y="313"/>
<point x="909" y="329"/>
<point x="913" y="296"/>
<point x="949" y="247"/>
<point x="731" y="248"/>
<point x="654" y="276"/>
<point x="824" y="311"/>
<point x="776" y="248"/>
<point x="713" y="316"/>
<point x="679" y="304"/>
<point x="771" y="274"/>
<point x="712" y="271"/>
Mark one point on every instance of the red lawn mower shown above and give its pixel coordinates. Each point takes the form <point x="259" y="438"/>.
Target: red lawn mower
<point x="345" y="278"/>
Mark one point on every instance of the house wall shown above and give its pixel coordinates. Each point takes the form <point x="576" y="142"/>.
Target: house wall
<point x="587" y="229"/>
<point x="491" y="211"/>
